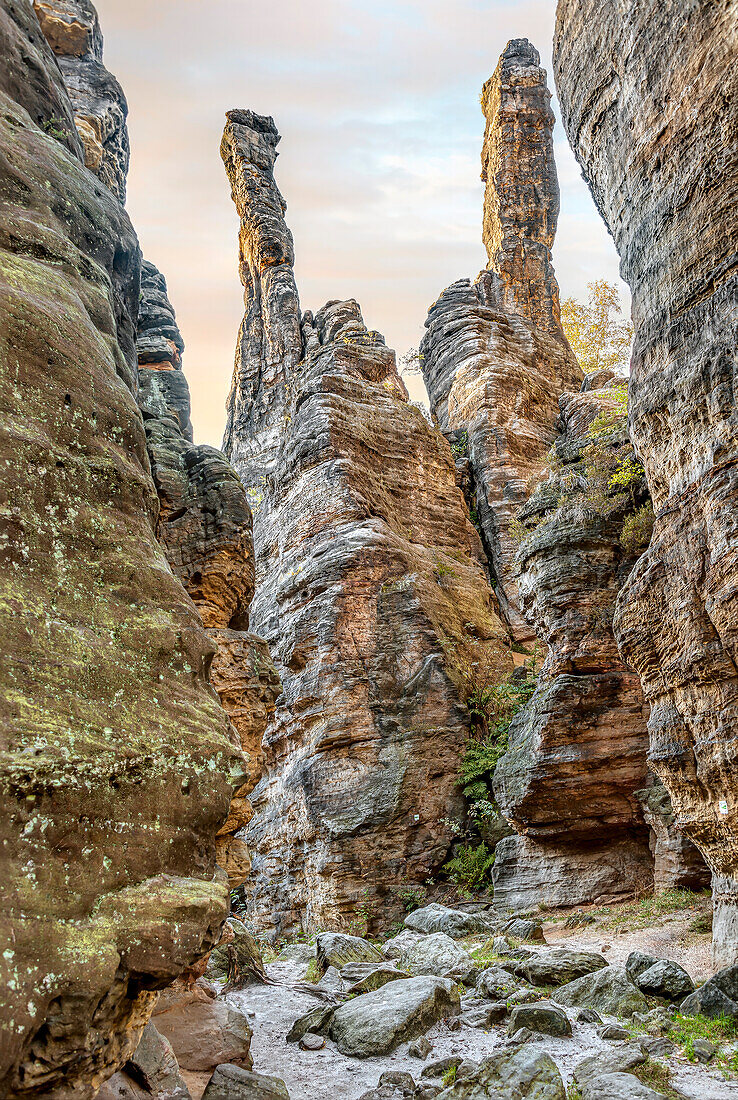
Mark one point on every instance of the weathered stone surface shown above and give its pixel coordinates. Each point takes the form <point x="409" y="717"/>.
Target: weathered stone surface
<point x="527" y="872"/>
<point x="677" y="862"/>
<point x="151" y="1072"/>
<point x="337" y="949"/>
<point x="521" y="197"/>
<point x="609" y="990"/>
<point x="233" y="1083"/>
<point x="497" y="984"/>
<point x="560" y="965"/>
<point x="717" y="997"/>
<point x="377" y="1022"/>
<point x="205" y="526"/>
<point x="616" y="1060"/>
<point x="665" y="979"/>
<point x="397" y="946"/>
<point x="453" y="922"/>
<point x="203" y="1031"/>
<point x="495" y="358"/>
<point x="374" y="978"/>
<point x="643" y="133"/>
<point x="236" y="957"/>
<point x="72" y="29"/>
<point x="118" y="761"/>
<point x="522" y="1074"/>
<point x="541" y="1016"/>
<point x="436" y="954"/>
<point x="577" y="751"/>
<point x="369" y="575"/>
<point x="619" y="1086"/>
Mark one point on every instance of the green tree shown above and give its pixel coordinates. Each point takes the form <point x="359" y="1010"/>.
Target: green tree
<point x="598" y="336"/>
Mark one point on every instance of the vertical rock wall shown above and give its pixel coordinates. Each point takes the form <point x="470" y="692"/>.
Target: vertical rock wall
<point x="371" y="586"/>
<point x="495" y="359"/>
<point x="117" y="761"/>
<point x="204" y="525"/>
<point x="648" y="93"/>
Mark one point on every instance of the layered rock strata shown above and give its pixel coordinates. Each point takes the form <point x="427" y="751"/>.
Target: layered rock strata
<point x="117" y="760"/>
<point x="371" y="587"/>
<point x="204" y="525"/>
<point x="577" y="751"/>
<point x="72" y="29"/>
<point x="494" y="356"/>
<point x="646" y="95"/>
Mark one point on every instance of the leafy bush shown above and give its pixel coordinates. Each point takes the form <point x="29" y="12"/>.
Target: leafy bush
<point x="637" y="529"/>
<point x="470" y="866"/>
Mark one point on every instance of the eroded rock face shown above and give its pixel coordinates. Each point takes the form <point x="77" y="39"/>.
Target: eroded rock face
<point x="521" y="196"/>
<point x="370" y="584"/>
<point x="72" y="29"/>
<point x="577" y="751"/>
<point x="204" y="525"/>
<point x="118" y="761"/>
<point x="644" y="134"/>
<point x="495" y="359"/>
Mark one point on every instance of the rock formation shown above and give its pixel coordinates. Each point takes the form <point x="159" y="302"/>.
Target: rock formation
<point x="371" y="587"/>
<point x="494" y="356"/>
<point x="204" y="525"/>
<point x="72" y="29"/>
<point x="118" y="761"/>
<point x="647" y="92"/>
<point x="577" y="751"/>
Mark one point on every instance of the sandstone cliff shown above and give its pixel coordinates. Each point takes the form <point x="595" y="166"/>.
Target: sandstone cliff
<point x="204" y="525"/>
<point x="495" y="359"/>
<point x="371" y="587"/>
<point x="118" y="761"/>
<point x="647" y="97"/>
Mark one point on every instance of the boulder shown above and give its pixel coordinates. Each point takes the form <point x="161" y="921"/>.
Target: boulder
<point x="637" y="962"/>
<point x="619" y="1086"/>
<point x="560" y="965"/>
<point x="377" y="1022"/>
<point x="317" y="1021"/>
<point x="151" y="1071"/>
<point x="484" y="1014"/>
<point x="528" y="931"/>
<point x="521" y="1074"/>
<point x="374" y="978"/>
<point x="400" y="944"/>
<point x="615" y="1060"/>
<point x="421" y="1048"/>
<point x="613" y="1032"/>
<point x="437" y="954"/>
<point x="337" y="949"/>
<point x="233" y="1083"/>
<point x="542" y="1016"/>
<point x="608" y="990"/>
<point x="203" y="1032"/>
<point x="717" y="997"/>
<point x="665" y="979"/>
<point x="497" y="984"/>
<point x="400" y="1080"/>
<point x="454" y="922"/>
<point x="331" y="982"/>
<point x="311" y="1041"/>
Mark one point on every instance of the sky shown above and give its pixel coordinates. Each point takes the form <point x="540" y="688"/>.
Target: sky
<point x="377" y="102"/>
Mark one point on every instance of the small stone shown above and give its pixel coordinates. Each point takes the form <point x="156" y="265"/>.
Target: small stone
<point x="665" y="979"/>
<point x="466" y="1069"/>
<point x="588" y="1016"/>
<point x="657" y="1046"/>
<point x="442" y="1066"/>
<point x="703" y="1050"/>
<point x="612" y="1031"/>
<point x="428" y="1092"/>
<point x="421" y="1048"/>
<point x="522" y="1035"/>
<point x="543" y="1017"/>
<point x="523" y="997"/>
<point x="311" y="1041"/>
<point x="400" y="1080"/>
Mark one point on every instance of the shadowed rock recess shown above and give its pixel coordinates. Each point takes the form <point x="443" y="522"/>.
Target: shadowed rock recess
<point x="657" y="143"/>
<point x="117" y="760"/>
<point x="371" y="585"/>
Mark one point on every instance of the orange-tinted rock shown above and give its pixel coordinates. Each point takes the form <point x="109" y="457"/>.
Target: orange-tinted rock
<point x="117" y="760"/>
<point x="647" y="96"/>
<point x="72" y="29"/>
<point x="367" y="568"/>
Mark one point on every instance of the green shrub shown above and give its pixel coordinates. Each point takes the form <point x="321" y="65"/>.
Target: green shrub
<point x="470" y="866"/>
<point x="637" y="529"/>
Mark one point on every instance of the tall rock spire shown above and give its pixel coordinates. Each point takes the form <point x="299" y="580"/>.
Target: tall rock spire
<point x="521" y="196"/>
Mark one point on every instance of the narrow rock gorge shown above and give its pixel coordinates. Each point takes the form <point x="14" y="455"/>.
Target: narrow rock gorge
<point x="657" y="144"/>
<point x="371" y="587"/>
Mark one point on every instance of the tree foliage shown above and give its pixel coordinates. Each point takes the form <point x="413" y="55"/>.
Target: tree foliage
<point x="598" y="336"/>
